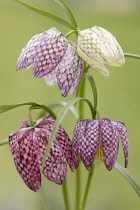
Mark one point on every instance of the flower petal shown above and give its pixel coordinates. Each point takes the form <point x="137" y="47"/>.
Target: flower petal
<point x="51" y="79"/>
<point x="77" y="133"/>
<point x="96" y="65"/>
<point x="124" y="137"/>
<point x="21" y="144"/>
<point x="115" y="53"/>
<point x="27" y="55"/>
<point x="69" y="72"/>
<point x="110" y="142"/>
<point x="89" y="141"/>
<point x="49" y="53"/>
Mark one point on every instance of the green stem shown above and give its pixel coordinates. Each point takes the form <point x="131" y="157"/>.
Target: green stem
<point x="30" y="117"/>
<point x="65" y="195"/>
<point x="91" y="172"/>
<point x="78" y="187"/>
<point x="3" y="142"/>
<point x="131" y="55"/>
<point x="71" y="32"/>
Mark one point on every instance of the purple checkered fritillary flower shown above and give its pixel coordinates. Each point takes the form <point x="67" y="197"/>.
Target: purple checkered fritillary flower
<point x="99" y="48"/>
<point x="28" y="146"/>
<point x="52" y="56"/>
<point x="100" y="139"/>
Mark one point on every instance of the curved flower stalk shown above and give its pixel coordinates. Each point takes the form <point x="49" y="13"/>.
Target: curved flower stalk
<point x="99" y="48"/>
<point x="28" y="146"/>
<point x="100" y="139"/>
<point x="50" y="55"/>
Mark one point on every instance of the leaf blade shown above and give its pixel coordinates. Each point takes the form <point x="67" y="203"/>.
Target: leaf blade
<point x="48" y="15"/>
<point x="128" y="177"/>
<point x="59" y="120"/>
<point x="68" y="11"/>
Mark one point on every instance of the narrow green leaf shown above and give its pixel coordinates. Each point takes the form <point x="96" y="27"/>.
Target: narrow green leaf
<point x="3" y="142"/>
<point x="131" y="55"/>
<point x="59" y="119"/>
<point x="62" y="104"/>
<point x="68" y="11"/>
<point x="5" y="108"/>
<point x="48" y="15"/>
<point x="93" y="87"/>
<point x="128" y="177"/>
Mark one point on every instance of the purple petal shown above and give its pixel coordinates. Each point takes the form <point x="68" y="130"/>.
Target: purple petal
<point x="49" y="54"/>
<point x="124" y="137"/>
<point x="110" y="142"/>
<point x="69" y="71"/>
<point x="21" y="144"/>
<point x="60" y="153"/>
<point x="77" y="133"/>
<point x="89" y="142"/>
<point x="27" y="55"/>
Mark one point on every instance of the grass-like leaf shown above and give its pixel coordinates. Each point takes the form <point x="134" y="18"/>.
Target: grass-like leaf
<point x="128" y="177"/>
<point x="3" y="142"/>
<point x="48" y="15"/>
<point x="131" y="55"/>
<point x="5" y="108"/>
<point x="68" y="11"/>
<point x="59" y="119"/>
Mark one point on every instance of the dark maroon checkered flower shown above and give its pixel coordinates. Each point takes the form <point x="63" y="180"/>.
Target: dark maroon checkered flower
<point x="100" y="139"/>
<point x="28" y="145"/>
<point x="50" y="55"/>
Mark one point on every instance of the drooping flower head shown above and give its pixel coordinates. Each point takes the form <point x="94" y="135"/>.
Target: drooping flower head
<point x="100" y="139"/>
<point x="52" y="56"/>
<point x="99" y="48"/>
<point x="28" y="146"/>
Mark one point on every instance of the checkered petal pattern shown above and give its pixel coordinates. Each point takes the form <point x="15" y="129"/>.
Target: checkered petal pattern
<point x="89" y="135"/>
<point x="28" y="146"/>
<point x="51" y="56"/>
<point x="124" y="137"/>
<point x="110" y="142"/>
<point x="99" y="48"/>
<point x="25" y="157"/>
<point x="89" y="142"/>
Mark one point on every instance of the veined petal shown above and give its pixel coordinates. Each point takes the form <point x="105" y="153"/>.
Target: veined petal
<point x="96" y="65"/>
<point x="115" y="53"/>
<point x="21" y="144"/>
<point x="110" y="142"/>
<point x="49" y="53"/>
<point x="27" y="55"/>
<point x="124" y="137"/>
<point x="89" y="141"/>
<point x="79" y="131"/>
<point x="67" y="71"/>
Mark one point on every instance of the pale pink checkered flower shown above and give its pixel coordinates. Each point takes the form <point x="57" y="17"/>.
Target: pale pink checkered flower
<point x="52" y="56"/>
<point x="99" y="139"/>
<point x="28" y="146"/>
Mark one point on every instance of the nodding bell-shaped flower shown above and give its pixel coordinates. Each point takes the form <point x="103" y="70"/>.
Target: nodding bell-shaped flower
<point x="28" y="146"/>
<point x="99" y="48"/>
<point x="52" y="56"/>
<point x="99" y="139"/>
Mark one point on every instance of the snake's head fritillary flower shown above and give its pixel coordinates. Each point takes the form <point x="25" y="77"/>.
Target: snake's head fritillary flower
<point x="99" y="48"/>
<point x="28" y="146"/>
<point x="99" y="139"/>
<point x="52" y="56"/>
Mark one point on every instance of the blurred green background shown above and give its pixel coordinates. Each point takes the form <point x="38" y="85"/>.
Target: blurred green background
<point x="118" y="99"/>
